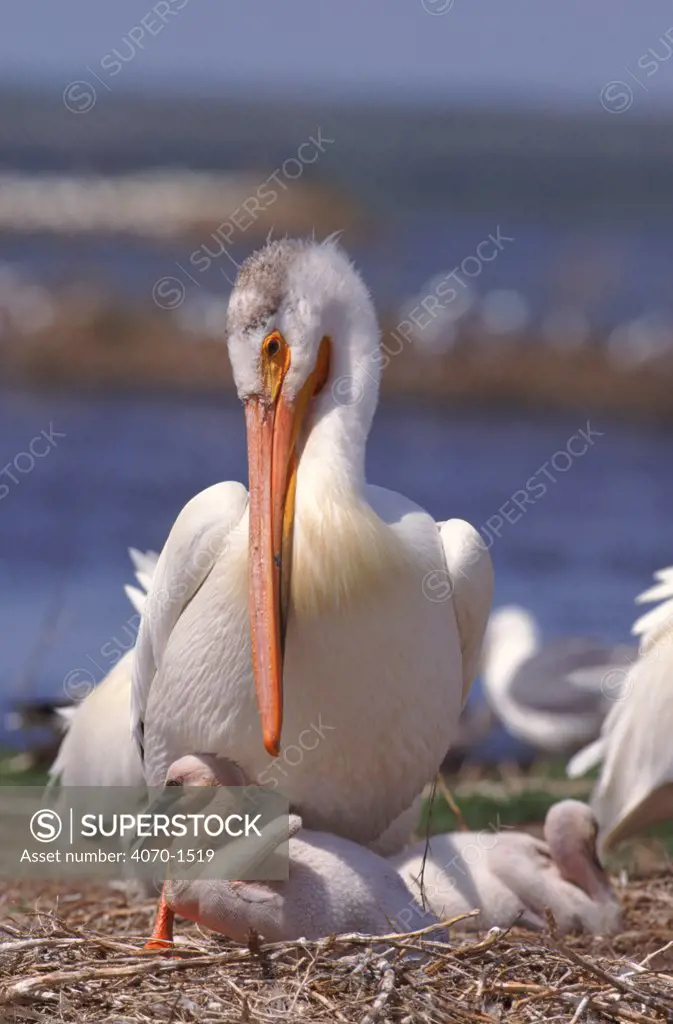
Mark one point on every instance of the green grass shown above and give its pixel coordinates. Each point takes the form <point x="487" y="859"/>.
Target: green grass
<point x="481" y="811"/>
<point x="10" y="775"/>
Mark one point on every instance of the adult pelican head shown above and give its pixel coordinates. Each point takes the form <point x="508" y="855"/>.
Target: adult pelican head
<point x="304" y="349"/>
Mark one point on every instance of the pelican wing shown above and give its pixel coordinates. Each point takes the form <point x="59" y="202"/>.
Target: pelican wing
<point x="471" y="570"/>
<point x="194" y="544"/>
<point x="572" y="676"/>
<point x="97" y="749"/>
<point x="635" y="786"/>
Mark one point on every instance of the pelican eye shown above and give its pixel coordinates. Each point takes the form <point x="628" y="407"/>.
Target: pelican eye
<point x="275" y="363"/>
<point x="273" y="347"/>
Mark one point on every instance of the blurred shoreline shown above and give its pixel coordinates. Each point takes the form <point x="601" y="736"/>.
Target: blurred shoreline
<point x="99" y="210"/>
<point x="393" y="158"/>
<point x="103" y="346"/>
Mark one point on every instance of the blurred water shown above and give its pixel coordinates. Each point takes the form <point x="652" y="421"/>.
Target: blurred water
<point x="614" y="272"/>
<point x="128" y="464"/>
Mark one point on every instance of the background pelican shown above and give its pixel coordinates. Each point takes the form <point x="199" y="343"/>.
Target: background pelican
<point x="635" y="749"/>
<point x="552" y="695"/>
<point x="319" y="604"/>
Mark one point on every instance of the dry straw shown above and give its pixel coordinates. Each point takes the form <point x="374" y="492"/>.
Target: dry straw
<point x="75" y="957"/>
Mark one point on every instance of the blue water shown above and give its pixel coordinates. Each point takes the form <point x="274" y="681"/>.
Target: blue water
<point x="615" y="272"/>
<point x="127" y="465"/>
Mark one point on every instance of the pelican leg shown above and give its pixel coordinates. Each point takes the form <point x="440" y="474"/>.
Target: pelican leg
<point x="162" y="933"/>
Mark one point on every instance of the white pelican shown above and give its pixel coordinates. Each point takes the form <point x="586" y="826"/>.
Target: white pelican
<point x="511" y="877"/>
<point x="97" y="749"/>
<point x="335" y="886"/>
<point x="635" y="787"/>
<point x="555" y="695"/>
<point x="318" y="604"/>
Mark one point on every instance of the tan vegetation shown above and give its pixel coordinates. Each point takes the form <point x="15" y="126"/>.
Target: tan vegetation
<point x="75" y="956"/>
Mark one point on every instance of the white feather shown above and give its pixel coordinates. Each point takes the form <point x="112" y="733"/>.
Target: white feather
<point x="635" y="786"/>
<point x="586" y="759"/>
<point x="66" y="715"/>
<point x="97" y="748"/>
<point x="136" y="596"/>
<point x="144" y="561"/>
<point x="650" y="625"/>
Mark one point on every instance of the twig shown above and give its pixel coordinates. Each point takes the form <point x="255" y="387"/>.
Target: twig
<point x="386" y="989"/>
<point x="99" y="940"/>
<point x="328" y="1005"/>
<point x="451" y="801"/>
<point x="581" y="1007"/>
<point x="27" y="986"/>
<point x="656" y="952"/>
<point x="622" y="986"/>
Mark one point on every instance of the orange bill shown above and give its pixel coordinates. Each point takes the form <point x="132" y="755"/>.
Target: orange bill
<point x="274" y="424"/>
<point x="270" y="461"/>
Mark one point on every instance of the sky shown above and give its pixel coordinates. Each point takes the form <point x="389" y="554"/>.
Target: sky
<point x="556" y="53"/>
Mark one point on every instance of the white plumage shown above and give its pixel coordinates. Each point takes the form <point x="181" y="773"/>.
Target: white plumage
<point x="635" y="787"/>
<point x="377" y="656"/>
<point x="554" y="695"/>
<point x="512" y="878"/>
<point x="97" y="749"/>
<point x="656" y="624"/>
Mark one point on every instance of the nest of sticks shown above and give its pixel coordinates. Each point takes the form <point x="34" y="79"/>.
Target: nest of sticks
<point x="77" y="956"/>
